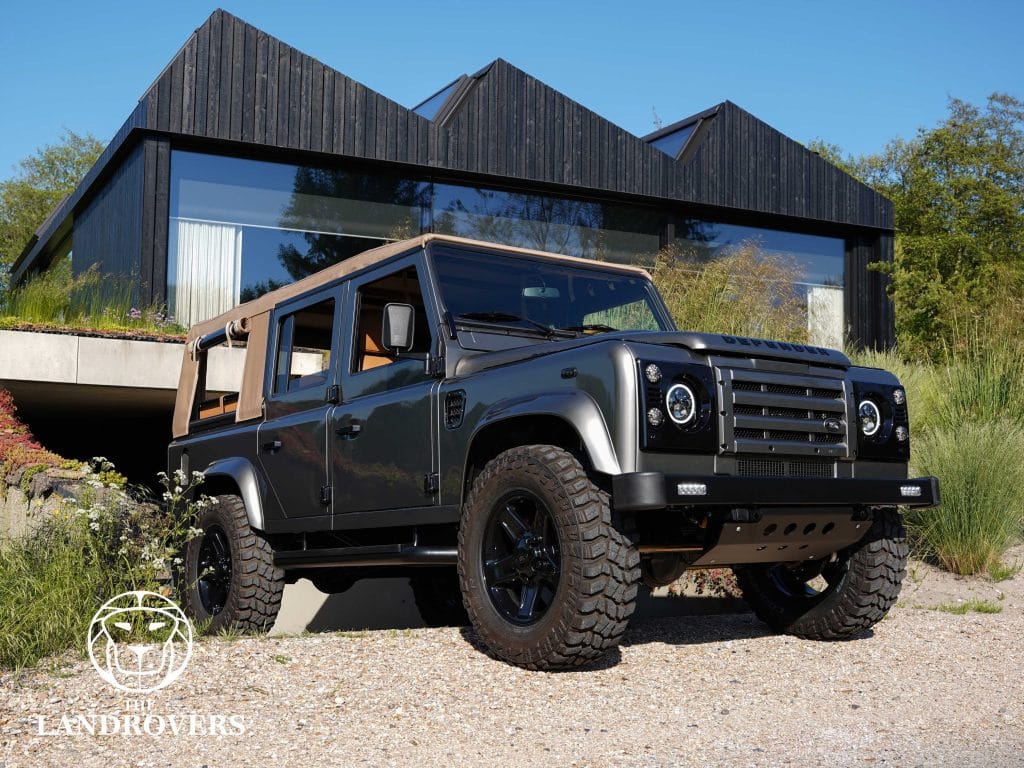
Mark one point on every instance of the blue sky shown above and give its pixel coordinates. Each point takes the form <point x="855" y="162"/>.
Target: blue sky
<point x="854" y="73"/>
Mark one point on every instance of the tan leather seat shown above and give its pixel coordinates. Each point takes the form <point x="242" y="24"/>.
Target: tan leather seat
<point x="372" y="353"/>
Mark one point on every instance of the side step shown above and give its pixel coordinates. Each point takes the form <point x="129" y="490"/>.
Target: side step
<point x="382" y="554"/>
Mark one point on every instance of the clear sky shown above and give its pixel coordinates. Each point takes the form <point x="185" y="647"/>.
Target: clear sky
<point x="853" y="73"/>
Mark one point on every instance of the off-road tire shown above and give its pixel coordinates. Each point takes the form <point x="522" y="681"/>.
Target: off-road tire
<point x="599" y="567"/>
<point x="256" y="585"/>
<point x="438" y="597"/>
<point x="868" y="588"/>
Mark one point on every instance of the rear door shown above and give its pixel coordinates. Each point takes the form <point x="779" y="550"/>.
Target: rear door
<point x="301" y="374"/>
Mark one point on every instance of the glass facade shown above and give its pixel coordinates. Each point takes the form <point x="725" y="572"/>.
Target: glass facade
<point x="595" y="230"/>
<point x="239" y="228"/>
<point x="815" y="264"/>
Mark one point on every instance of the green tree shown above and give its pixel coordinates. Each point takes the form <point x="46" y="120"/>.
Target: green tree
<point x="41" y="181"/>
<point x="958" y="192"/>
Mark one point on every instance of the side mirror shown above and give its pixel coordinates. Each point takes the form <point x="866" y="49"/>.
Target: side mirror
<point x="399" y="325"/>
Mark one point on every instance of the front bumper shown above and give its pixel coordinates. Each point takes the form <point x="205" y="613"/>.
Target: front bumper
<point x="639" y="491"/>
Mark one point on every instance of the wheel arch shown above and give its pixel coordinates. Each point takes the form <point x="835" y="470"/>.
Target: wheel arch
<point x="238" y="476"/>
<point x="570" y="420"/>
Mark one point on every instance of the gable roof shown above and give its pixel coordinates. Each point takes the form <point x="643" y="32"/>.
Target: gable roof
<point x="232" y="82"/>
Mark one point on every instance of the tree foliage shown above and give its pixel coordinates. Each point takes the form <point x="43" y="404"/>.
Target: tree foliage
<point x="958" y="192"/>
<point x="41" y="181"/>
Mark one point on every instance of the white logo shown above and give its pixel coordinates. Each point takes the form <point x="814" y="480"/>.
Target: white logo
<point x="140" y="641"/>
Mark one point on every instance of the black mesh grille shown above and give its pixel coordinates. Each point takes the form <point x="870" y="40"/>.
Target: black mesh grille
<point x="784" y="468"/>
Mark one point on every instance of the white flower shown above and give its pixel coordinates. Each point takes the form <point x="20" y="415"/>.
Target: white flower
<point x="94" y="514"/>
<point x="178" y="489"/>
<point x="94" y="526"/>
<point x="161" y="475"/>
<point x="197" y="476"/>
<point x="94" y="483"/>
<point x="178" y="561"/>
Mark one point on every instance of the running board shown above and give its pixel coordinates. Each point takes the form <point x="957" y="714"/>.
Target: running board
<point x="379" y="555"/>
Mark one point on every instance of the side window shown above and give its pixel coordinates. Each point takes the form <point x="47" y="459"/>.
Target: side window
<point x="304" y="348"/>
<point x="220" y="380"/>
<point x="402" y="287"/>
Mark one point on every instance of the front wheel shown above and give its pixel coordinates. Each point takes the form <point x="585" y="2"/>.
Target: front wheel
<point x="832" y="599"/>
<point x="547" y="579"/>
<point x="230" y="581"/>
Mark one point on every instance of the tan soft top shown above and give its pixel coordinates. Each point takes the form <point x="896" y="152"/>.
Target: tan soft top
<point x="255" y="315"/>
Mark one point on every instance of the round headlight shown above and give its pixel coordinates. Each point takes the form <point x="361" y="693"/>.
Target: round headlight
<point x="681" y="404"/>
<point x="653" y="373"/>
<point x="655" y="417"/>
<point x="870" y="418"/>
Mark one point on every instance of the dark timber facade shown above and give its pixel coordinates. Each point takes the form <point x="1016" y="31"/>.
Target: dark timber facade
<point x="235" y="92"/>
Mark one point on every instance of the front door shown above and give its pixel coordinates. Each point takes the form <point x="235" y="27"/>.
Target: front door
<point x="381" y="433"/>
<point x="293" y="440"/>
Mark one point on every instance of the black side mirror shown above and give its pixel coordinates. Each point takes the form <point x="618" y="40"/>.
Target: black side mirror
<point x="399" y="325"/>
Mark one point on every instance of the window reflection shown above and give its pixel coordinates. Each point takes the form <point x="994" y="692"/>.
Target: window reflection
<point x="239" y="228"/>
<point x="602" y="231"/>
<point x="814" y="265"/>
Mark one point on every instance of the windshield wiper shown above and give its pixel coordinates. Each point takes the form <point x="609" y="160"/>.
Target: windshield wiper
<point x="506" y="317"/>
<point x="599" y="327"/>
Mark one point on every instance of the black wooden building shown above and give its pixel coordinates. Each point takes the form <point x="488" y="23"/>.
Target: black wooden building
<point x="248" y="164"/>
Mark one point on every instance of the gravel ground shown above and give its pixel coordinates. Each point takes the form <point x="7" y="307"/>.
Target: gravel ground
<point x="925" y="688"/>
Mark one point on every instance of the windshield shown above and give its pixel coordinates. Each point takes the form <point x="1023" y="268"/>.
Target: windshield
<point x="537" y="296"/>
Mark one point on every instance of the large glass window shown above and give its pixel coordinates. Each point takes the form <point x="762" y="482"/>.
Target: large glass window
<point x="812" y="264"/>
<point x="596" y="230"/>
<point x="240" y="228"/>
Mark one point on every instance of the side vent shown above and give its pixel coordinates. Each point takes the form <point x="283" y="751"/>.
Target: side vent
<point x="454" y="408"/>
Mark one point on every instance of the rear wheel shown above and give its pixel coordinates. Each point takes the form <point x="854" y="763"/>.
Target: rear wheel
<point x="438" y="597"/>
<point x="229" y="575"/>
<point x="832" y="599"/>
<point x="547" y="579"/>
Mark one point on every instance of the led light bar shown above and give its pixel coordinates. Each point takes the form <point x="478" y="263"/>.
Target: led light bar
<point x="910" y="490"/>
<point x="692" y="489"/>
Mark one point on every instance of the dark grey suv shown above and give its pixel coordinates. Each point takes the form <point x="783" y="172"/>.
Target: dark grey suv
<point x="527" y="437"/>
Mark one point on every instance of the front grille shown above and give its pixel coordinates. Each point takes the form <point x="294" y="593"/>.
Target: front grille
<point x="784" y="468"/>
<point x="787" y="414"/>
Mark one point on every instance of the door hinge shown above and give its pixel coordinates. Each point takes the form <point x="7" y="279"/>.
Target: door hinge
<point x="325" y="495"/>
<point x="333" y="394"/>
<point x="431" y="483"/>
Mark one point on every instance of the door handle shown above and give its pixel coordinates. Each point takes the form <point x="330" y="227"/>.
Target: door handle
<point x="272" y="447"/>
<point x="349" y="431"/>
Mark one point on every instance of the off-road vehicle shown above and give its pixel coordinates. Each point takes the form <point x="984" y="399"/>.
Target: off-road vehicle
<point x="527" y="436"/>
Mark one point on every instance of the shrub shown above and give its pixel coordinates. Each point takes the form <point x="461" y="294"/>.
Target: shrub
<point x="17" y="446"/>
<point x="981" y="468"/>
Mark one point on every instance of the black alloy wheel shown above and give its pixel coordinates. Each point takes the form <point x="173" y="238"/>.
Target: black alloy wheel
<point x="548" y="579"/>
<point x="521" y="562"/>
<point x="228" y="579"/>
<point x="214" y="570"/>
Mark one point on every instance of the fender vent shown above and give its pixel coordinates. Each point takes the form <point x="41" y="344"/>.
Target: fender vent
<point x="454" y="408"/>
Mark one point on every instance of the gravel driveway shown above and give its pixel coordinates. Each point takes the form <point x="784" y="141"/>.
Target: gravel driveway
<point x="927" y="688"/>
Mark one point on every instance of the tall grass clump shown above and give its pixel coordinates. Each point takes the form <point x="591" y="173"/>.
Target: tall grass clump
<point x="981" y="469"/>
<point x="86" y="301"/>
<point x="106" y="541"/>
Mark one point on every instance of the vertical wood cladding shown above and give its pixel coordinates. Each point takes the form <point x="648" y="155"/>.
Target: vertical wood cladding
<point x="233" y="82"/>
<point x="108" y="230"/>
<point x="741" y="162"/>
<point x="156" y="155"/>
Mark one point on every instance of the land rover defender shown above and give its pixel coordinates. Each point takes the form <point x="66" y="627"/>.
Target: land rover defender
<point x="527" y="437"/>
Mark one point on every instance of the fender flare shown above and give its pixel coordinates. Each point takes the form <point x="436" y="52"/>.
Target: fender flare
<point x="574" y="407"/>
<point x="245" y="477"/>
